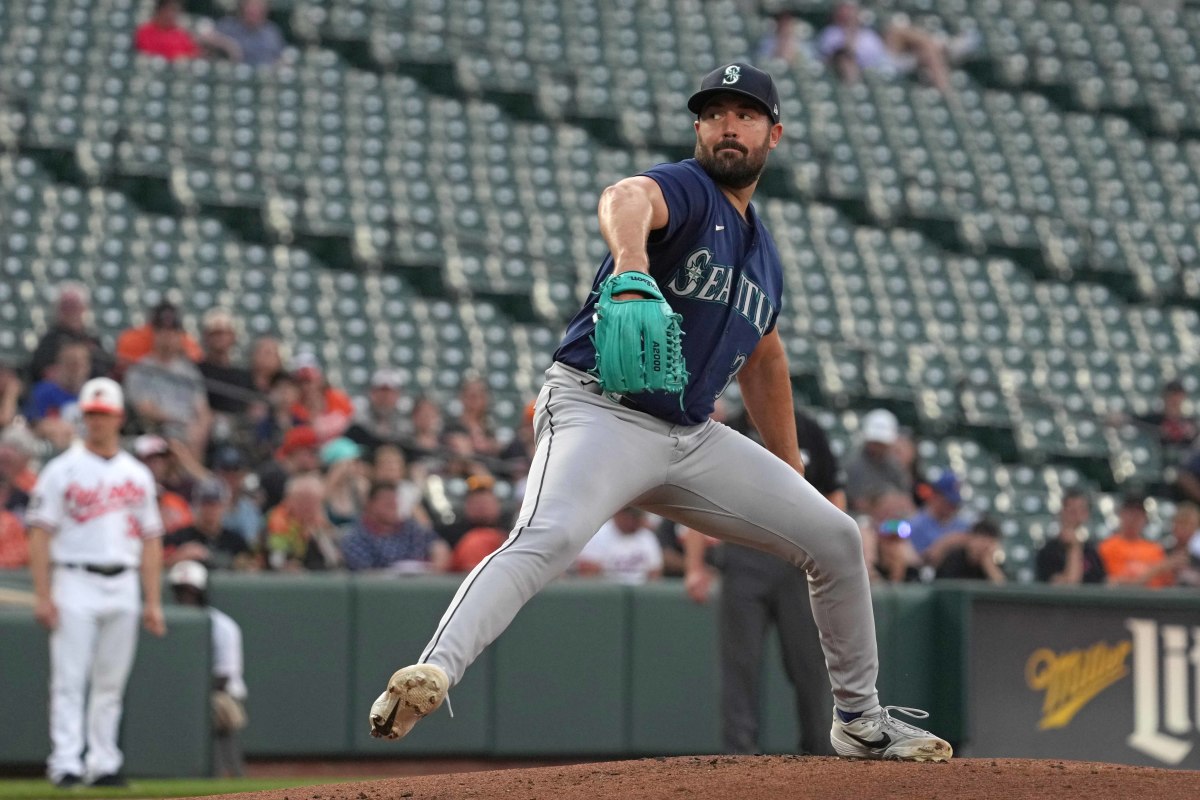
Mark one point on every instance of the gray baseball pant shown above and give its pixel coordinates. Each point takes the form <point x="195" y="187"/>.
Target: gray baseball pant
<point x="595" y="456"/>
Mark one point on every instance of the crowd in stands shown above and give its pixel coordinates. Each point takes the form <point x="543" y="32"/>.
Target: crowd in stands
<point x="246" y="37"/>
<point x="263" y="464"/>
<point x="852" y="46"/>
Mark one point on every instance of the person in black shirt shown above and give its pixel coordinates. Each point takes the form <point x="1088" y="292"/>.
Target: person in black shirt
<point x="759" y="589"/>
<point x="230" y="387"/>
<point x="975" y="558"/>
<point x="208" y="540"/>
<point x="1070" y="558"/>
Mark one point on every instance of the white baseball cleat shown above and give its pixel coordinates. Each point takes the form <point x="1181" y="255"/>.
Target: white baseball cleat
<point x="412" y="693"/>
<point x="876" y="734"/>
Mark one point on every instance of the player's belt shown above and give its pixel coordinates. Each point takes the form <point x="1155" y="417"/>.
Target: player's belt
<point x="107" y="570"/>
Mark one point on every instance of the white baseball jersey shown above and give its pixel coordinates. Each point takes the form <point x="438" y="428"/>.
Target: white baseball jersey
<point x="624" y="557"/>
<point x="97" y="509"/>
<point x="227" y="652"/>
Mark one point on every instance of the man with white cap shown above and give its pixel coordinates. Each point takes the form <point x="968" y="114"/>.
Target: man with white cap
<point x="93" y="526"/>
<point x="380" y="418"/>
<point x="189" y="582"/>
<point x="875" y="470"/>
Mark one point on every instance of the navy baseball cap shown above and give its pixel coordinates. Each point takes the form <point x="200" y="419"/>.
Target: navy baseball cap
<point x="738" y="78"/>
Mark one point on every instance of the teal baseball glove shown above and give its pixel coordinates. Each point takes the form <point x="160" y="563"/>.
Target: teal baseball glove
<point x="638" y="342"/>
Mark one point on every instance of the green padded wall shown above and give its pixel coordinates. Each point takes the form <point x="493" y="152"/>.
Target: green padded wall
<point x="25" y="670"/>
<point x="561" y="673"/>
<point x="165" y="730"/>
<point x="393" y="620"/>
<point x="297" y="637"/>
<point x="674" y="691"/>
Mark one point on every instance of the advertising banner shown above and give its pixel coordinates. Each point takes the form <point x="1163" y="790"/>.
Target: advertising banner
<point x="1089" y="683"/>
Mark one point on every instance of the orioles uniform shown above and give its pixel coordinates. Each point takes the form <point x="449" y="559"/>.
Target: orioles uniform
<point x="97" y="511"/>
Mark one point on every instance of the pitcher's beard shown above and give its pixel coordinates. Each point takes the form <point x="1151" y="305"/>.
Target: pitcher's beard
<point x="736" y="173"/>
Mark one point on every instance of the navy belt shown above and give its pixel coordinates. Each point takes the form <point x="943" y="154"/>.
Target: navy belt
<point x="107" y="570"/>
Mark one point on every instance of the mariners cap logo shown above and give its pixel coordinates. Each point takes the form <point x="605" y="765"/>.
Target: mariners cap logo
<point x="732" y="73"/>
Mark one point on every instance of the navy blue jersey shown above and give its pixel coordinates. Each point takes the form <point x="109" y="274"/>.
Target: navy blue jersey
<point x="720" y="272"/>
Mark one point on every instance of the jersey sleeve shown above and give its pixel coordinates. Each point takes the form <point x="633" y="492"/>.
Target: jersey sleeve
<point x="688" y="199"/>
<point x="149" y="519"/>
<point x="46" y="501"/>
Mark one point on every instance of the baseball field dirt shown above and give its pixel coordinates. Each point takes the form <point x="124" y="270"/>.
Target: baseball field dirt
<point x="773" y="778"/>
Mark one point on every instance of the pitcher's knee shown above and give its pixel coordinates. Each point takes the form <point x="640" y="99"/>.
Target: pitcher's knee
<point x="841" y="546"/>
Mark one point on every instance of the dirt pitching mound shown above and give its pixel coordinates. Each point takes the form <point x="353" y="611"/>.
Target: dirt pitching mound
<point x="772" y="778"/>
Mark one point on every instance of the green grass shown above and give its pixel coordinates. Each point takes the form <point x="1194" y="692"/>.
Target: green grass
<point x="36" y="789"/>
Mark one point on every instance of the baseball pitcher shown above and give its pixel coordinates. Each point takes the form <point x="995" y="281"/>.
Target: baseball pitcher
<point x="685" y="302"/>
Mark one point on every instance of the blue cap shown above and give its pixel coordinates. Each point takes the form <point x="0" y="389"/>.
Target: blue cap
<point x="948" y="486"/>
<point x="738" y="78"/>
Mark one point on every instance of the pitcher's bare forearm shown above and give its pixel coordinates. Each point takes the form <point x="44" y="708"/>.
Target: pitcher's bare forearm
<point x="767" y="391"/>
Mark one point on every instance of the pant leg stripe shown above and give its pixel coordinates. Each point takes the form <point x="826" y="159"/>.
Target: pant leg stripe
<point x="475" y="573"/>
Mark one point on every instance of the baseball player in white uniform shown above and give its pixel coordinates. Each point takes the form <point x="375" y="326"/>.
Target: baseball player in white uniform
<point x="189" y="581"/>
<point x="93" y="527"/>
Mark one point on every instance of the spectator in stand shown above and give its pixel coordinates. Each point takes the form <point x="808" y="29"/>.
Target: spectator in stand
<point x="14" y="544"/>
<point x="259" y="40"/>
<point x="904" y="451"/>
<point x="71" y="311"/>
<point x="16" y="470"/>
<point x="1071" y="558"/>
<point x="279" y="416"/>
<point x="874" y="469"/>
<point x="155" y="452"/>
<point x="243" y="514"/>
<point x="481" y="509"/>
<point x="230" y="387"/>
<point x="298" y="455"/>
<point x="53" y="405"/>
<point x="887" y="534"/>
<point x="1176" y="430"/>
<point x="134" y="344"/>
<point x="1187" y="482"/>
<point x="852" y="48"/>
<point x="379" y="418"/>
<point x="166" y="389"/>
<point x="475" y="417"/>
<point x="299" y="536"/>
<point x="1130" y="559"/>
<point x="975" y="556"/>
<point x="518" y="455"/>
<point x="326" y="409"/>
<point x="346" y="480"/>
<point x="389" y="466"/>
<point x="1185" y="554"/>
<point x="11" y="389"/>
<point x="939" y="516"/>
<point x="786" y="41"/>
<point x="207" y="539"/>
<point x="163" y="36"/>
<point x="426" y="438"/>
<point x="383" y="540"/>
<point x="266" y="361"/>
<point x="624" y="550"/>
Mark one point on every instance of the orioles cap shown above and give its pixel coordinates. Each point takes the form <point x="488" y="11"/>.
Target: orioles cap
<point x="102" y="395"/>
<point x="738" y="78"/>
